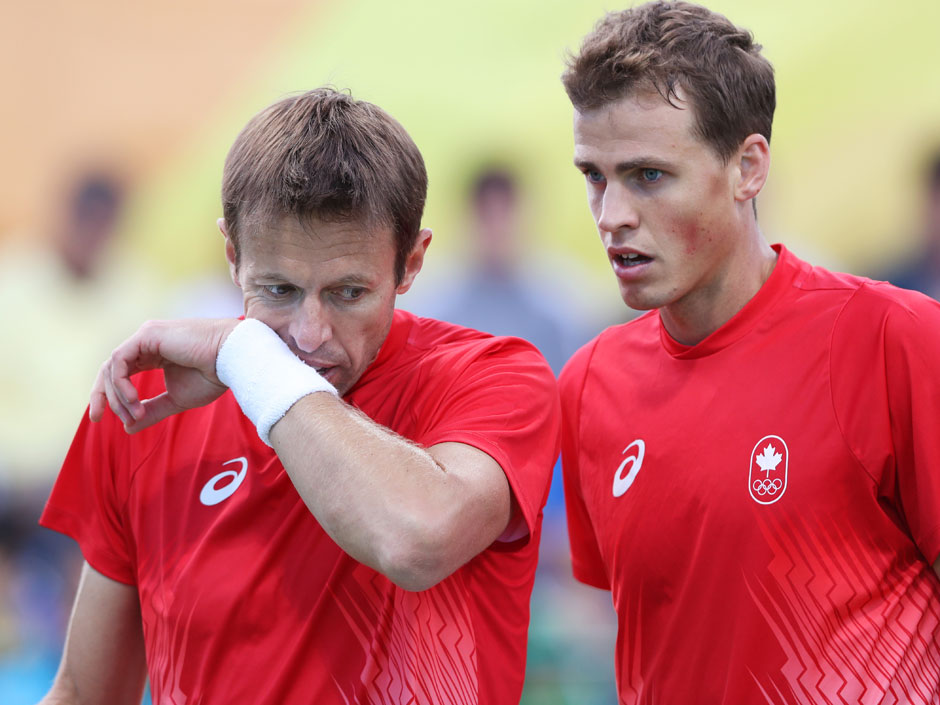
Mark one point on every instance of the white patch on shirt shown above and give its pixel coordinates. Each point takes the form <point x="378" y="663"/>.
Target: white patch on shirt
<point x="770" y="461"/>
<point x="635" y="461"/>
<point x="212" y="495"/>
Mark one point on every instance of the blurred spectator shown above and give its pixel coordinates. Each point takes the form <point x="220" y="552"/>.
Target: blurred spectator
<point x="90" y="224"/>
<point x="67" y="300"/>
<point x="505" y="284"/>
<point x="922" y="271"/>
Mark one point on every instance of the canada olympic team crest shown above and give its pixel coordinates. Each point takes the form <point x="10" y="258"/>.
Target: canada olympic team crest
<point x="770" y="461"/>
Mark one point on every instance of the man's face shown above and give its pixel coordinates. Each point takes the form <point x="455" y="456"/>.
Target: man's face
<point x="662" y="200"/>
<point x="327" y="289"/>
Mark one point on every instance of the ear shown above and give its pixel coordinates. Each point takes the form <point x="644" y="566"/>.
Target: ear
<point x="753" y="165"/>
<point x="414" y="261"/>
<point x="229" y="252"/>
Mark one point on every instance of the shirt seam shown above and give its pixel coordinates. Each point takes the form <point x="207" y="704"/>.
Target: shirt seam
<point x="832" y="396"/>
<point x="580" y="417"/>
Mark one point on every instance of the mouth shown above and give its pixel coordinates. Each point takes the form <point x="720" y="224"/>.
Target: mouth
<point x="628" y="264"/>
<point x="322" y="370"/>
<point x="630" y="259"/>
<point x="326" y="369"/>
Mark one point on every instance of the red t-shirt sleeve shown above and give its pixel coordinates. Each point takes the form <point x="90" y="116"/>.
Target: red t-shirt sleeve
<point x="886" y="390"/>
<point x="87" y="501"/>
<point x="586" y="562"/>
<point x="503" y="400"/>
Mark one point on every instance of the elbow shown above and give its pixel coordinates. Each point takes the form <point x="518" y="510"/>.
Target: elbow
<point x="415" y="581"/>
<point x="419" y="559"/>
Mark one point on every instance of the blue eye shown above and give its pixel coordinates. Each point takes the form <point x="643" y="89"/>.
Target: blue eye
<point x="651" y="175"/>
<point x="594" y="176"/>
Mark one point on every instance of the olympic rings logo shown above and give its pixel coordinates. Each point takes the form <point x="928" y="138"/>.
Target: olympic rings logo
<point x="769" y="487"/>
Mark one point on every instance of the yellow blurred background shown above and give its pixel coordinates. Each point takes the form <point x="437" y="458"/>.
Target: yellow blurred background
<point x="159" y="92"/>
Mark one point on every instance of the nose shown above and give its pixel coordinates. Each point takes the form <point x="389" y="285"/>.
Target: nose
<point x="310" y="326"/>
<point x="617" y="210"/>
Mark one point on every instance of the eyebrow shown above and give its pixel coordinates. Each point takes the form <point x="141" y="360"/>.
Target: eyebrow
<point x="351" y="280"/>
<point x="624" y="167"/>
<point x="268" y="276"/>
<point x="274" y="276"/>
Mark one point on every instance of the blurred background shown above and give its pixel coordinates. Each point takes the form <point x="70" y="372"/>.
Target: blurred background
<point x="117" y="118"/>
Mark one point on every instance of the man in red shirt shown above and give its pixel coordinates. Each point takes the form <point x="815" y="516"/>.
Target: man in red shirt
<point x="331" y="501"/>
<point x="753" y="466"/>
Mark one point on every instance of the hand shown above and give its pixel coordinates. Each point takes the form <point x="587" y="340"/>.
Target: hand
<point x="186" y="351"/>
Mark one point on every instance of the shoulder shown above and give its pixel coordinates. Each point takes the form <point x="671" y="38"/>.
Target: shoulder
<point x="447" y="347"/>
<point x="859" y="305"/>
<point x="883" y="339"/>
<point x="886" y="311"/>
<point x="859" y="292"/>
<point x="606" y="350"/>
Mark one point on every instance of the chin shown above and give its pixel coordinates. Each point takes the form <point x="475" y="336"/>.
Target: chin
<point x="638" y="303"/>
<point x="343" y="383"/>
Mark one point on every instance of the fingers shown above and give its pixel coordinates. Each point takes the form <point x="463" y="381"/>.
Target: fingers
<point x="184" y="345"/>
<point x="98" y="402"/>
<point x="126" y="410"/>
<point x="113" y="387"/>
<point x="153" y="411"/>
<point x="124" y="390"/>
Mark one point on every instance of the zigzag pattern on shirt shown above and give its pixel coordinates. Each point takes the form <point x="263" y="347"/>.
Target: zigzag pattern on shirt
<point x="419" y="646"/>
<point x="166" y="654"/>
<point x="844" y="645"/>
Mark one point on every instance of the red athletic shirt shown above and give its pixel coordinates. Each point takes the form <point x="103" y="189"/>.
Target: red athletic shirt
<point x="765" y="505"/>
<point x="245" y="599"/>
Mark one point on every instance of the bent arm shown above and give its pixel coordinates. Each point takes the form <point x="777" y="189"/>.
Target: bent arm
<point x="413" y="514"/>
<point x="103" y="662"/>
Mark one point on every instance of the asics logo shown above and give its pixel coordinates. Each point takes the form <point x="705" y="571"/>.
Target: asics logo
<point x="212" y="494"/>
<point x="634" y="461"/>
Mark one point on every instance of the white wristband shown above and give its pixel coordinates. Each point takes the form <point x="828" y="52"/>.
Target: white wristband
<point x="266" y="378"/>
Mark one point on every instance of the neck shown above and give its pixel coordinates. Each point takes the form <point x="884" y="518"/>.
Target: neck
<point x="697" y="315"/>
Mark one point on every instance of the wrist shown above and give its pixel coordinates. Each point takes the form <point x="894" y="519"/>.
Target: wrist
<point x="266" y="378"/>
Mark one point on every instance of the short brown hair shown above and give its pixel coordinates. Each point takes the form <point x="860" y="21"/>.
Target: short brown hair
<point x="668" y="45"/>
<point x="324" y="155"/>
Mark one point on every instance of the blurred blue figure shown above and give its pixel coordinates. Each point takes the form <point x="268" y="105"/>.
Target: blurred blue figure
<point x="503" y="288"/>
<point x="38" y="573"/>
<point x="922" y="272"/>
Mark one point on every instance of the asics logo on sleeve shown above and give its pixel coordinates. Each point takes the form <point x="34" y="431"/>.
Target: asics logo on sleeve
<point x="212" y="494"/>
<point x="634" y="461"/>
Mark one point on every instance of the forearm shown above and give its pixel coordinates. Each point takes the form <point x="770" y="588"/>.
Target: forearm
<point x="103" y="662"/>
<point x="413" y="514"/>
<point x="63" y="692"/>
